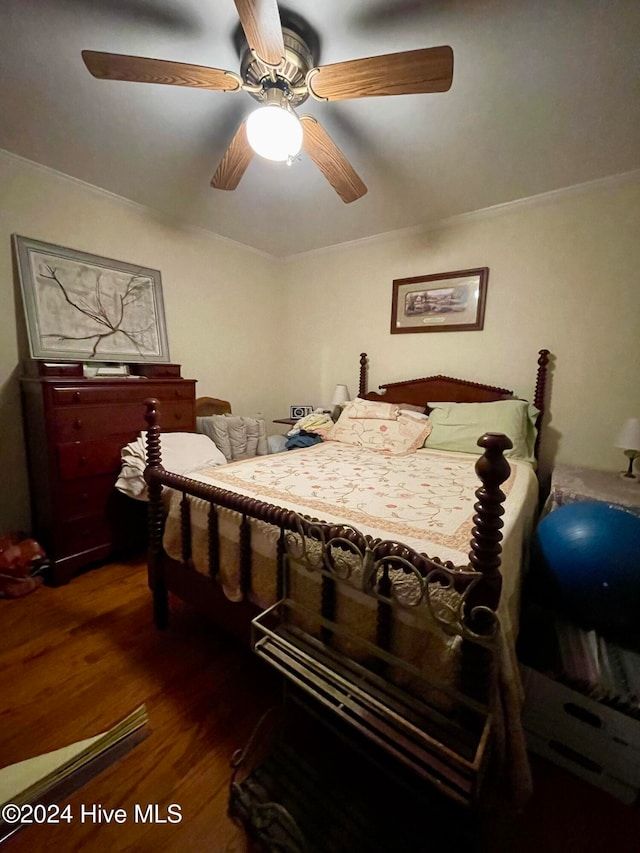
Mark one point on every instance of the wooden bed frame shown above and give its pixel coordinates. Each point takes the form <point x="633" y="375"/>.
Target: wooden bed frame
<point x="479" y="583"/>
<point x="166" y="575"/>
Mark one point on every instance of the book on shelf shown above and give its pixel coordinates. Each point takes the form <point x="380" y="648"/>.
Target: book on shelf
<point x="599" y="667"/>
<point x="45" y="779"/>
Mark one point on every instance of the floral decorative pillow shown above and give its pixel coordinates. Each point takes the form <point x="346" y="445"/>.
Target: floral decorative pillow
<point x="360" y="408"/>
<point x="397" y="437"/>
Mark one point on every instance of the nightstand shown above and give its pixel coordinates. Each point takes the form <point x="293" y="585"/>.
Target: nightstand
<point x="571" y="483"/>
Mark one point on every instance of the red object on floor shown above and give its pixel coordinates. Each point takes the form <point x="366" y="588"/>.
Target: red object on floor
<point x="21" y="561"/>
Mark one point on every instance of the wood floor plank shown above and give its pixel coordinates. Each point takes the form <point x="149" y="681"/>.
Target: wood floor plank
<point x="80" y="657"/>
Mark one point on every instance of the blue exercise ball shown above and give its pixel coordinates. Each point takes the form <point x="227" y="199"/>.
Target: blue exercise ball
<point x="590" y="554"/>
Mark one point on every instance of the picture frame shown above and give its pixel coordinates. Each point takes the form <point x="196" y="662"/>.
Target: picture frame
<point x="83" y="307"/>
<point x="297" y="412"/>
<point x="443" y="302"/>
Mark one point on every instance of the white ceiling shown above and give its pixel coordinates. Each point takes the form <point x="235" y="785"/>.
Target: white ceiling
<point x="545" y="95"/>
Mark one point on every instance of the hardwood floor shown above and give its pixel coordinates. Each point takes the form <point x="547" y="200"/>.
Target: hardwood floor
<point x="77" y="658"/>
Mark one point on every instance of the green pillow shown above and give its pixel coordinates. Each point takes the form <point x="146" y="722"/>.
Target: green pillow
<point x="458" y="426"/>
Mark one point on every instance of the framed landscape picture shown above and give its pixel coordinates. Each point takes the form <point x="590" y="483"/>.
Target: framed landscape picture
<point x="88" y="308"/>
<point x="444" y="302"/>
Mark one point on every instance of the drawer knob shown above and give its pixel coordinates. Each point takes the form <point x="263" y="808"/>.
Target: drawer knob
<point x="77" y="424"/>
<point x="82" y="460"/>
<point x="177" y="416"/>
<point x="76" y="396"/>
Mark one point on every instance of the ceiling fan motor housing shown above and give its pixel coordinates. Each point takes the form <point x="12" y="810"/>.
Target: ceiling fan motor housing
<point x="298" y="60"/>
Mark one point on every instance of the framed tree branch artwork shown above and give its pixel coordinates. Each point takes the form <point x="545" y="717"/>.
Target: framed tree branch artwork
<point x="444" y="302"/>
<point x="85" y="307"/>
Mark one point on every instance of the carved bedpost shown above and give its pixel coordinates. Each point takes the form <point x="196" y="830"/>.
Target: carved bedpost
<point x="492" y="469"/>
<point x="155" y="517"/>
<point x="362" y="385"/>
<point x="540" y="395"/>
<point x="478" y="664"/>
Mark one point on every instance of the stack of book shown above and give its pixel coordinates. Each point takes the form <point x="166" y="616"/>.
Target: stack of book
<point x="598" y="667"/>
<point x="45" y="779"/>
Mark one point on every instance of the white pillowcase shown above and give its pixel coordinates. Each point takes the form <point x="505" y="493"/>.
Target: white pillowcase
<point x="182" y="453"/>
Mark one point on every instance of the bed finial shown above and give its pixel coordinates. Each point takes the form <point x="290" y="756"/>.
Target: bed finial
<point x="362" y="386"/>
<point x="152" y="417"/>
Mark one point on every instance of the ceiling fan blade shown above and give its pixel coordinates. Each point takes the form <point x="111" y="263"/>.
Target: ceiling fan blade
<point x="138" y="69"/>
<point x="413" y="72"/>
<point x="260" y="21"/>
<point x="235" y="161"/>
<point x="331" y="161"/>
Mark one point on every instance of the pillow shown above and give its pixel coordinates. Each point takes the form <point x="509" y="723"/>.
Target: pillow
<point x="182" y="453"/>
<point x="413" y="412"/>
<point x="396" y="437"/>
<point x="235" y="437"/>
<point x="458" y="426"/>
<point x="359" y="408"/>
<point x="409" y="407"/>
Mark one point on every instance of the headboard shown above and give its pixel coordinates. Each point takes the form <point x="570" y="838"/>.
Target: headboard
<point x="418" y="392"/>
<point x="439" y="388"/>
<point x="206" y="406"/>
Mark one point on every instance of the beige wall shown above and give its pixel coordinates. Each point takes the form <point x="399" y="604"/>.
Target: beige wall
<point x="222" y="300"/>
<point x="564" y="274"/>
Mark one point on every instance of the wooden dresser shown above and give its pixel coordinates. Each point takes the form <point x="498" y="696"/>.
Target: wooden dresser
<point x="75" y="430"/>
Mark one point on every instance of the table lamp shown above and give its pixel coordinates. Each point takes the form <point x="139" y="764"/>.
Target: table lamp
<point x="340" y="396"/>
<point x="629" y="440"/>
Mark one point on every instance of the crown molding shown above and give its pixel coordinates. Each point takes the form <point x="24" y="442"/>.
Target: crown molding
<point x="508" y="207"/>
<point x="127" y="202"/>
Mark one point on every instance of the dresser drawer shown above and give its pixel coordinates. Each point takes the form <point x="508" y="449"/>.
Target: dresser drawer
<point x="87" y="458"/>
<point x="118" y="523"/>
<point x="84" y="496"/>
<point x="177" y="417"/>
<point x="136" y="392"/>
<point x="88" y="422"/>
<point x="71" y="423"/>
<point x="83" y="534"/>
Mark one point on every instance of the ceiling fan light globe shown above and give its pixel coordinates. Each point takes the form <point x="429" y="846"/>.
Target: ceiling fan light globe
<point x="274" y="133"/>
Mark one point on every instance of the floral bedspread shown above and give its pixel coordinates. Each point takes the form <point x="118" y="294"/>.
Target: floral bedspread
<point x="423" y="500"/>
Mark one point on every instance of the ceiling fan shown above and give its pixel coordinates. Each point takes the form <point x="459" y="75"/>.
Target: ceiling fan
<point x="278" y="69"/>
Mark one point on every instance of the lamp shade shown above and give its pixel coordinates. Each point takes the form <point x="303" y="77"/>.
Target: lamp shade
<point x="629" y="436"/>
<point x="274" y="132"/>
<point x="340" y="395"/>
